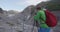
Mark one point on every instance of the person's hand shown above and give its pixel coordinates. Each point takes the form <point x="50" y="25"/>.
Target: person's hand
<point x="36" y="23"/>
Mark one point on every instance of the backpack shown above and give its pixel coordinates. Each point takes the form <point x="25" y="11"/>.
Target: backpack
<point x="51" y="20"/>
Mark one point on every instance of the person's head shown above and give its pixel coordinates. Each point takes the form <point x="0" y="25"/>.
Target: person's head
<point x="38" y="8"/>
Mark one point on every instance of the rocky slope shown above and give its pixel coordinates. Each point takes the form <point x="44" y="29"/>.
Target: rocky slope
<point x="23" y="21"/>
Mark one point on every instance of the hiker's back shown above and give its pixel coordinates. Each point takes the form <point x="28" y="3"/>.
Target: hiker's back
<point x="41" y="19"/>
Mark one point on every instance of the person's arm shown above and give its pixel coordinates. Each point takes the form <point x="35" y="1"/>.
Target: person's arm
<point x="37" y="16"/>
<point x="43" y="16"/>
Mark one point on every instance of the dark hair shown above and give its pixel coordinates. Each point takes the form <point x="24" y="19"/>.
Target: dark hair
<point x="38" y="8"/>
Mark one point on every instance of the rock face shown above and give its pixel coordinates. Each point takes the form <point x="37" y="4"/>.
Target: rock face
<point x="57" y="14"/>
<point x="27" y="17"/>
<point x="22" y="22"/>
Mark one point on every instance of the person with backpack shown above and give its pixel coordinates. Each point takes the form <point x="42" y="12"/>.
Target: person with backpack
<point x="43" y="21"/>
